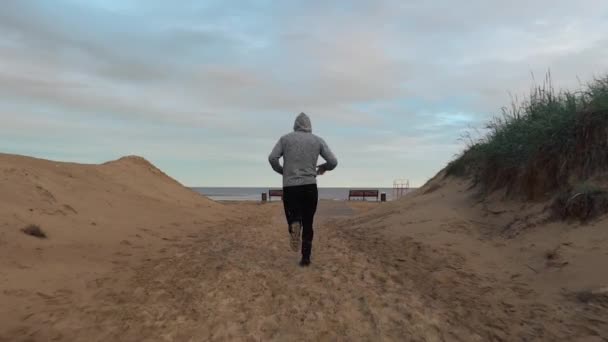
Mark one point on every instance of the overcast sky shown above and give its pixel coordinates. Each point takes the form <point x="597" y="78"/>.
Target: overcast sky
<point x="203" y="89"/>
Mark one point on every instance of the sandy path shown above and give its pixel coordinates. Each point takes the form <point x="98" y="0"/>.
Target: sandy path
<point x="240" y="281"/>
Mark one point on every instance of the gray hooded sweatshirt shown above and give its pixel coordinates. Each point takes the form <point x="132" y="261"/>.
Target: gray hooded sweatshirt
<point x="300" y="150"/>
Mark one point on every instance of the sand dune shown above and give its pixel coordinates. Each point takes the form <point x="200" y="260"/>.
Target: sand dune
<point x="95" y="216"/>
<point x="134" y="256"/>
<point x="493" y="269"/>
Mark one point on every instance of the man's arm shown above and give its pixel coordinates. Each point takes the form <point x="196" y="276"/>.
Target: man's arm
<point x="275" y="155"/>
<point x="330" y="159"/>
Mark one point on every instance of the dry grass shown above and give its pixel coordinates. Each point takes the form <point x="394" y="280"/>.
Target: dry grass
<point x="584" y="202"/>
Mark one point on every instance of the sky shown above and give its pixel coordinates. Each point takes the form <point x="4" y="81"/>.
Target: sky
<point x="204" y="89"/>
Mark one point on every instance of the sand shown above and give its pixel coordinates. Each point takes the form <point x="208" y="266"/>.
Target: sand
<point x="132" y="255"/>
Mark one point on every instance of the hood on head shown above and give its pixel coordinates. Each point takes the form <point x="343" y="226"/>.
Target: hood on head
<point x="302" y="124"/>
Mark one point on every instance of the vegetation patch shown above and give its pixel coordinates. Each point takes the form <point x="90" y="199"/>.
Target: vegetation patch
<point x="584" y="202"/>
<point x="537" y="146"/>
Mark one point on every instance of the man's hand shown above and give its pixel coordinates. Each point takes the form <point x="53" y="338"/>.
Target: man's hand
<point x="321" y="170"/>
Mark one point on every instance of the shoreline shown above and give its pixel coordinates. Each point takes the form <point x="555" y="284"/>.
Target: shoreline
<point x="255" y="193"/>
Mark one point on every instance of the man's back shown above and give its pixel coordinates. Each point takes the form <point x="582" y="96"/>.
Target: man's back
<point x="300" y="150"/>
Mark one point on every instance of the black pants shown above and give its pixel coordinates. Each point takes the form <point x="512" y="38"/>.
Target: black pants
<point x="300" y="204"/>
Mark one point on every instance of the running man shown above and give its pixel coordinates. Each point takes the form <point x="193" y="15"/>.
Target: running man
<point x="300" y="150"/>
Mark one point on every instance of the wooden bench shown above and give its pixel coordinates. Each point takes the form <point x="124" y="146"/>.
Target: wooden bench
<point x="363" y="193"/>
<point x="275" y="193"/>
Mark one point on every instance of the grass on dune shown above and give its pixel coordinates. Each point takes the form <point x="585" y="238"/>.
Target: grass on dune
<point x="538" y="144"/>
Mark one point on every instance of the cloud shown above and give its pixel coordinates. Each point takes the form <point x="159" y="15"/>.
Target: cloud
<point x="391" y="81"/>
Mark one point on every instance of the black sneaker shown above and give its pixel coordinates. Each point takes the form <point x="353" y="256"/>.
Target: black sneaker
<point x="305" y="262"/>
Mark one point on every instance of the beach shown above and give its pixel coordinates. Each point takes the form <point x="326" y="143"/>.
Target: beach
<point x="132" y="255"/>
<point x="452" y="155"/>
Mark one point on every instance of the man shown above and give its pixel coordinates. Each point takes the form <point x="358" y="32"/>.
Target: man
<point x="300" y="150"/>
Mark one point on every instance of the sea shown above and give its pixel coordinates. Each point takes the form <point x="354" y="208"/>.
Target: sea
<point x="255" y="194"/>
